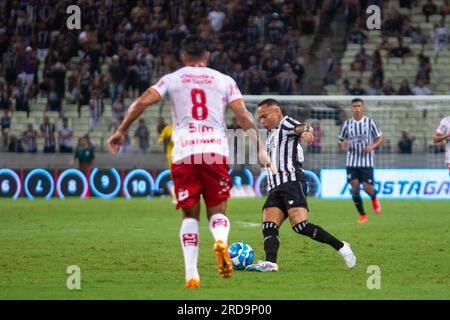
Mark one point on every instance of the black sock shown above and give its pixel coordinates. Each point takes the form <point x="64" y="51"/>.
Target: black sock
<point x="271" y="240"/>
<point x="317" y="233"/>
<point x="359" y="204"/>
<point x="374" y="196"/>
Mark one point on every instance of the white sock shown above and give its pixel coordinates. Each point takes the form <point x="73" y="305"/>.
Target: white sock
<point x="220" y="227"/>
<point x="189" y="238"/>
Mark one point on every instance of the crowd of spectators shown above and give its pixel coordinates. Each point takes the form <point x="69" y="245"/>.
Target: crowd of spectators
<point x="28" y="140"/>
<point x="257" y="42"/>
<point x="124" y="46"/>
<point x="394" y="25"/>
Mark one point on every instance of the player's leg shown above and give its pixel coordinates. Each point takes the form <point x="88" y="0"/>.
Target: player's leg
<point x="216" y="185"/>
<point x="273" y="217"/>
<point x="170" y="186"/>
<point x="187" y="189"/>
<point x="219" y="225"/>
<point x="353" y="179"/>
<point x="367" y="179"/>
<point x="298" y="218"/>
<point x="274" y="213"/>
<point x="189" y="237"/>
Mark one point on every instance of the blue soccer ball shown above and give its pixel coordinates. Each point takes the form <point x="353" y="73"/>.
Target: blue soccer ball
<point x="241" y="255"/>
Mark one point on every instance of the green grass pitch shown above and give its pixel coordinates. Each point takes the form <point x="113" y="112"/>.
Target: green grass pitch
<point x="129" y="249"/>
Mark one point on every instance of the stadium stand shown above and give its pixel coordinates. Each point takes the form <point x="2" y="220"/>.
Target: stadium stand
<point x="420" y="36"/>
<point x="43" y="61"/>
<point x="270" y="41"/>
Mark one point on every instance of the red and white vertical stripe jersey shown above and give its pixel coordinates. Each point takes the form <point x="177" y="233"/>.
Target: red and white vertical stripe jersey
<point x="444" y="128"/>
<point x="199" y="96"/>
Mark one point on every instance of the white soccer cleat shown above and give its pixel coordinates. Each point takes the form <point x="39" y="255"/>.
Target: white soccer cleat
<point x="348" y="255"/>
<point x="262" y="266"/>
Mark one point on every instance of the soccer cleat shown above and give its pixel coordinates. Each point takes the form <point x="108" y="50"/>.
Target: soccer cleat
<point x="348" y="255"/>
<point x="193" y="283"/>
<point x="376" y="206"/>
<point x="362" y="218"/>
<point x="262" y="266"/>
<point x="223" y="259"/>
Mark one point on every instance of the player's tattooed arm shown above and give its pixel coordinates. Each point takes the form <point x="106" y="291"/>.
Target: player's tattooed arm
<point x="305" y="131"/>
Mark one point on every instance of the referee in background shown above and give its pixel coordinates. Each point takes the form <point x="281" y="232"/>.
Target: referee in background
<point x="360" y="135"/>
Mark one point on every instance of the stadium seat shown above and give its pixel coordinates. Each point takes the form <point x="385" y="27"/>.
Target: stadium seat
<point x="84" y="128"/>
<point x="435" y="18"/>
<point x="410" y="63"/>
<point x="53" y="116"/>
<point x="19" y="114"/>
<point x="404" y="11"/>
<point x="374" y="33"/>
<point x="390" y="67"/>
<point x="36" y="114"/>
<point x="353" y="47"/>
<point x="416" y="11"/>
<point x="427" y="26"/>
<point x="70" y="107"/>
<point x="418" y="18"/>
<point x="20" y="127"/>
<point x="370" y="47"/>
<point x="393" y="41"/>
<point x="394" y="60"/>
<point x="96" y="134"/>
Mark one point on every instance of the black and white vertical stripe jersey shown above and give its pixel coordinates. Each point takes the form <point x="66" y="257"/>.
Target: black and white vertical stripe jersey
<point x="285" y="152"/>
<point x="359" y="134"/>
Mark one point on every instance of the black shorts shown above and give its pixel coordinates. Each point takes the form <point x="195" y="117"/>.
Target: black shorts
<point x="362" y="174"/>
<point x="288" y="195"/>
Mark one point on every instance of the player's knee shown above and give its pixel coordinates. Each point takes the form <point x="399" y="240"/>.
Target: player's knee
<point x="355" y="190"/>
<point x="355" y="194"/>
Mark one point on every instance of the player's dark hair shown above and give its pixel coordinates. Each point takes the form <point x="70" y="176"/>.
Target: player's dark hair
<point x="357" y="100"/>
<point x="272" y="102"/>
<point x="194" y="46"/>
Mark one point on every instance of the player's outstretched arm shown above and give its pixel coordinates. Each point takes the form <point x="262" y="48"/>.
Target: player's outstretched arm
<point x="439" y="137"/>
<point x="246" y="122"/>
<point x="135" y="110"/>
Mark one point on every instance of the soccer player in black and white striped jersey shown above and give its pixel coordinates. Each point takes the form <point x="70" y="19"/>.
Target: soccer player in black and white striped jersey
<point x="287" y="187"/>
<point x="360" y="135"/>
